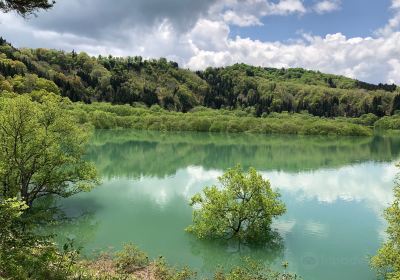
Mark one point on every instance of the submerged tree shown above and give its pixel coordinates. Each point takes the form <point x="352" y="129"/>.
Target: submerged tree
<point x="243" y="208"/>
<point x="387" y="261"/>
<point x="41" y="149"/>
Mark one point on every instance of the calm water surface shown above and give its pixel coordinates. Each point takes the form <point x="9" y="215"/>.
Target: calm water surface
<point x="335" y="190"/>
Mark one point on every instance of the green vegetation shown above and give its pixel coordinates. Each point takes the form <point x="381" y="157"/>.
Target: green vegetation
<point x="249" y="99"/>
<point x="42" y="156"/>
<point x="157" y="94"/>
<point x="25" y="255"/>
<point x="387" y="261"/>
<point x="42" y="149"/>
<point x="131" y="259"/>
<point x="252" y="270"/>
<point x="242" y="209"/>
<point x="135" y="80"/>
<point x="24" y="7"/>
<point x="294" y="90"/>
<point x="107" y="116"/>
<point x="44" y="136"/>
<point x="389" y="123"/>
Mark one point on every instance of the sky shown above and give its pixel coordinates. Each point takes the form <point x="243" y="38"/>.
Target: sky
<point x="355" y="38"/>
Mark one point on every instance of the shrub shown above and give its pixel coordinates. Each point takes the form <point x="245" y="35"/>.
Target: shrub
<point x="130" y="259"/>
<point x="162" y="271"/>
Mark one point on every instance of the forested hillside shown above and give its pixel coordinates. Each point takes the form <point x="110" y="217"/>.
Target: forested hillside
<point x="135" y="80"/>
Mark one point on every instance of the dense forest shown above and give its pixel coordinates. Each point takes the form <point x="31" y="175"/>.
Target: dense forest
<point x="134" y="80"/>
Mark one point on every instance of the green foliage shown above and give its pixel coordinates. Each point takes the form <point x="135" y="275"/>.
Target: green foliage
<point x="11" y="211"/>
<point x="392" y="122"/>
<point x="365" y="120"/>
<point x="24" y="254"/>
<point x="294" y="90"/>
<point x="133" y="80"/>
<point x="29" y="83"/>
<point x="162" y="271"/>
<point x="42" y="149"/>
<point x="251" y="270"/>
<point x="243" y="208"/>
<point x="106" y="116"/>
<point x="25" y="7"/>
<point x="130" y="259"/>
<point x="387" y="260"/>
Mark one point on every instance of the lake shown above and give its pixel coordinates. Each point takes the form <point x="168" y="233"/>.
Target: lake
<point x="335" y="189"/>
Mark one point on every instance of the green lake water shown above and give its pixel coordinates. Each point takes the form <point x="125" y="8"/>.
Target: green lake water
<point x="335" y="190"/>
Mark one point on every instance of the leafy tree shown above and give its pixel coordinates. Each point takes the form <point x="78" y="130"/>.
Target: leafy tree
<point x="243" y="208"/>
<point x="387" y="261"/>
<point x="42" y="148"/>
<point x="26" y="255"/>
<point x="25" y="7"/>
<point x="396" y="103"/>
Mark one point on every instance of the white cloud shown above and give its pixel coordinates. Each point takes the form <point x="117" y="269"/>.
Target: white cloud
<point x="370" y="59"/>
<point x="395" y="4"/>
<point x="369" y="183"/>
<point x="327" y="6"/>
<point x="285" y="7"/>
<point x="232" y="17"/>
<point x="394" y="73"/>
<point x="250" y="12"/>
<point x="210" y="35"/>
<point x="394" y="22"/>
<point x="208" y="41"/>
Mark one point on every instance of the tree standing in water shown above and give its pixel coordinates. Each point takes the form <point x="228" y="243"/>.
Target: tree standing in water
<point x="242" y="209"/>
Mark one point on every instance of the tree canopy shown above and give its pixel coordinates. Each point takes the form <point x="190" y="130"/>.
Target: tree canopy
<point x="134" y="80"/>
<point x="243" y="208"/>
<point x="25" y="7"/>
<point x="387" y="261"/>
<point x="42" y="149"/>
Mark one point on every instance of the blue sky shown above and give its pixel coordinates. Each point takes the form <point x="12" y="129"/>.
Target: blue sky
<point x="355" y="38"/>
<point x="354" y="18"/>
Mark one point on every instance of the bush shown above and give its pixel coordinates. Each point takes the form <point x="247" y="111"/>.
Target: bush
<point x="162" y="271"/>
<point x="25" y="255"/>
<point x="252" y="270"/>
<point x="106" y="116"/>
<point x="392" y="122"/>
<point x="130" y="259"/>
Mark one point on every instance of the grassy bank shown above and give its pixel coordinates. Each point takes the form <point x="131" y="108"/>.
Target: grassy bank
<point x="107" y="116"/>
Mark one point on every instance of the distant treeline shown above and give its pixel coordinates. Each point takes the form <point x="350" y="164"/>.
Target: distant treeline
<point x="106" y="116"/>
<point x="131" y="80"/>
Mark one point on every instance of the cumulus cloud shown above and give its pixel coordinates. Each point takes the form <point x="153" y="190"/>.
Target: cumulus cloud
<point x="285" y="7"/>
<point x="394" y="22"/>
<point x="250" y="12"/>
<point x="231" y="17"/>
<point x="327" y="6"/>
<point x="198" y="34"/>
<point x="371" y="59"/>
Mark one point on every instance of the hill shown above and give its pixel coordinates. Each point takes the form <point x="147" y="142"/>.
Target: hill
<point x="132" y="80"/>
